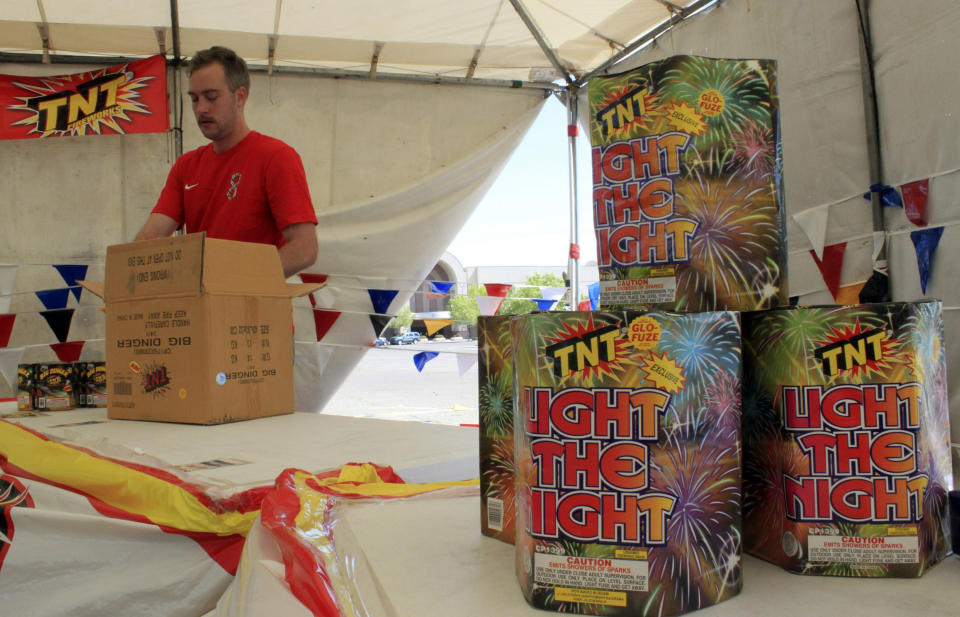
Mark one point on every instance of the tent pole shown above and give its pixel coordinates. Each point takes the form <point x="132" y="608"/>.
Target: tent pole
<point x="872" y="116"/>
<point x="573" y="264"/>
<point x="177" y="104"/>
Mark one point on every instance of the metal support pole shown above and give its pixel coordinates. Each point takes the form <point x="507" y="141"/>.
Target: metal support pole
<point x="872" y="115"/>
<point x="573" y="264"/>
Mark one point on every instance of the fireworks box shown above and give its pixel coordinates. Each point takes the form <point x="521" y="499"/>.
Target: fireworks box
<point x="846" y="431"/>
<point x="627" y="431"/>
<point x="55" y="387"/>
<point x="495" y="381"/>
<point x="26" y="374"/>
<point x="687" y="199"/>
<point x="198" y="330"/>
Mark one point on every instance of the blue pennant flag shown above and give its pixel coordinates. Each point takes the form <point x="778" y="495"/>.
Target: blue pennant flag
<point x="421" y="358"/>
<point x="544" y="304"/>
<point x="381" y="299"/>
<point x="925" y="242"/>
<point x="54" y="298"/>
<point x="71" y="274"/>
<point x="593" y="292"/>
<point x="888" y="195"/>
<point x="440" y="288"/>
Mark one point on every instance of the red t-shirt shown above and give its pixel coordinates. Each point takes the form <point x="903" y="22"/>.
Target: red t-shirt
<point x="250" y="193"/>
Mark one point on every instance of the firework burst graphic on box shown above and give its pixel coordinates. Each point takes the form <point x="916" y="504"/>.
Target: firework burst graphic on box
<point x="501" y="478"/>
<point x="496" y="404"/>
<point x="701" y="469"/>
<point x="736" y="226"/>
<point x="702" y="347"/>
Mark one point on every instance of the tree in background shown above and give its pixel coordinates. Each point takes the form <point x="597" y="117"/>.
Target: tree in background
<point x="403" y="319"/>
<point x="463" y="309"/>
<point x="514" y="304"/>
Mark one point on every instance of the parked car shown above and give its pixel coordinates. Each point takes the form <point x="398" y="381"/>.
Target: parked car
<point x="410" y="337"/>
<point x="381" y="342"/>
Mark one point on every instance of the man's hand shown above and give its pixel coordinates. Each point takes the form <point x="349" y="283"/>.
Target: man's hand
<point x="300" y="248"/>
<point x="157" y="226"/>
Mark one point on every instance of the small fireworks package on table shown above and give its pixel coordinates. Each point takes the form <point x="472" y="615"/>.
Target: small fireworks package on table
<point x="846" y="439"/>
<point x="627" y="430"/>
<point x="687" y="197"/>
<point x="495" y="381"/>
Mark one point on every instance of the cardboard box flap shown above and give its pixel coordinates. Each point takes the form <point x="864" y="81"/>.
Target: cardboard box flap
<point x="160" y="267"/>
<point x="295" y="290"/>
<point x="231" y="267"/>
<point x="94" y="287"/>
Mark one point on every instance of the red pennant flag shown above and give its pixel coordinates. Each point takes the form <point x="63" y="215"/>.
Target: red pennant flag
<point x="6" y="327"/>
<point x="307" y="277"/>
<point x="584" y="305"/>
<point x="68" y="352"/>
<point x="831" y="266"/>
<point x="915" y="201"/>
<point x="497" y="290"/>
<point x="324" y="320"/>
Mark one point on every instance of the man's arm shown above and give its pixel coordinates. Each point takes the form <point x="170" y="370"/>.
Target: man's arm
<point x="300" y="248"/>
<point x="157" y="226"/>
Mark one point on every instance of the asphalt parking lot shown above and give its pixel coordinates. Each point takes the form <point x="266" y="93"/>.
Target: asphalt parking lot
<point x="386" y="384"/>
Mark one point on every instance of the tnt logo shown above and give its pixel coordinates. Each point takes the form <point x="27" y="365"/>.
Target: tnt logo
<point x="853" y="351"/>
<point x="156" y="380"/>
<point x="61" y="110"/>
<point x="592" y="349"/>
<point x="624" y="111"/>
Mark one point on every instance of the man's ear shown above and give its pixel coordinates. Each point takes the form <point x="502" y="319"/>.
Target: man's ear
<point x="241" y="94"/>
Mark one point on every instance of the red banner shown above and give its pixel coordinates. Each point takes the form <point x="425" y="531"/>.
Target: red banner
<point x="127" y="98"/>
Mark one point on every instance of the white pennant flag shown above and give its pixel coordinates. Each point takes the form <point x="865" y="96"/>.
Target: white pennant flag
<point x="326" y="297"/>
<point x="9" y="360"/>
<point x="814" y="224"/>
<point x="552" y="293"/>
<point x="310" y="359"/>
<point x="488" y="305"/>
<point x="879" y="238"/>
<point x="465" y="362"/>
<point x="8" y="273"/>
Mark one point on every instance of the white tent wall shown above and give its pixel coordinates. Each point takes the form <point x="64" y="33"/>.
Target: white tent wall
<point x="395" y="169"/>
<point x="826" y="164"/>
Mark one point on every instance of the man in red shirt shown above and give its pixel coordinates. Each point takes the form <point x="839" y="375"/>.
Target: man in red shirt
<point x="241" y="186"/>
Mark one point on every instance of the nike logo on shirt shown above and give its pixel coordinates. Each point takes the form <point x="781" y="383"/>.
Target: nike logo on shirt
<point x="187" y="187"/>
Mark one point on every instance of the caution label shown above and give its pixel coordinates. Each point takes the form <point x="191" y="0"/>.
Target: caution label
<point x="638" y="291"/>
<point x="598" y="574"/>
<point x="853" y="549"/>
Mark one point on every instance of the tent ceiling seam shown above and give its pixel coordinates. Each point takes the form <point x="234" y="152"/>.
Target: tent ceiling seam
<point x="542" y="41"/>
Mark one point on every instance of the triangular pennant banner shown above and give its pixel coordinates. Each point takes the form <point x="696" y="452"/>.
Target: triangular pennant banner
<point x="875" y="289"/>
<point x="440" y="288"/>
<point x="879" y="238"/>
<point x="915" y="201"/>
<point x="381" y="299"/>
<point x="59" y="321"/>
<point x="488" y="305"/>
<point x="813" y="222"/>
<point x="925" y="242"/>
<point x="6" y="327"/>
<point x="831" y="265"/>
<point x="850" y="294"/>
<point x="54" y="298"/>
<point x="593" y="292"/>
<point x="68" y="352"/>
<point x="380" y="323"/>
<point x="9" y="360"/>
<point x="465" y="362"/>
<point x="422" y="357"/>
<point x="584" y="305"/>
<point x="8" y="273"/>
<point x="323" y="321"/>
<point x="552" y="293"/>
<point x="544" y="304"/>
<point x="72" y="273"/>
<point x="888" y="195"/>
<point x="307" y="277"/>
<point x="498" y="290"/>
<point x="436" y="324"/>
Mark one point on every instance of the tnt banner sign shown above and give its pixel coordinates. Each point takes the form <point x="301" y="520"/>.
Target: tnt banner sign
<point x="687" y="197"/>
<point x="127" y="98"/>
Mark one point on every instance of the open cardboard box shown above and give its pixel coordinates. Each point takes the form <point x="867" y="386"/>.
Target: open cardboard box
<point x="198" y="330"/>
